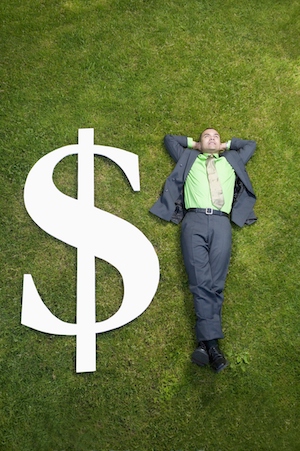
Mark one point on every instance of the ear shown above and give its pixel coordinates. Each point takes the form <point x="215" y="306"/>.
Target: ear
<point x="197" y="146"/>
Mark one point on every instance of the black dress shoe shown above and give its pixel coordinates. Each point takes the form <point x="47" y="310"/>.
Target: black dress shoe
<point x="200" y="355"/>
<point x="216" y="359"/>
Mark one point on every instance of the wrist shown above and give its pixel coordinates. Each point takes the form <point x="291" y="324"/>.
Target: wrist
<point x="190" y="143"/>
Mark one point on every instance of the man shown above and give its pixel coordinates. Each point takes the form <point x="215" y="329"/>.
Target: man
<point x="208" y="184"/>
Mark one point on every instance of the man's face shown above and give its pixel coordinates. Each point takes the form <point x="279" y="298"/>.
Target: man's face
<point x="210" y="141"/>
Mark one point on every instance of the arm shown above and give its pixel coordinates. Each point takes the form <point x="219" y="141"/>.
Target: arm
<point x="175" y="145"/>
<point x="245" y="148"/>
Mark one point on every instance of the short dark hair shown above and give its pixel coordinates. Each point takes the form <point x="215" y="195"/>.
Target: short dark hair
<point x="207" y="128"/>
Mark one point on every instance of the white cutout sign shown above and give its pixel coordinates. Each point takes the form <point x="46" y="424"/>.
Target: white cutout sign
<point x="95" y="233"/>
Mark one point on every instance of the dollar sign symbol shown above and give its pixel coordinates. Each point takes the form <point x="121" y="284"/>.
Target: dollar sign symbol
<point x="95" y="233"/>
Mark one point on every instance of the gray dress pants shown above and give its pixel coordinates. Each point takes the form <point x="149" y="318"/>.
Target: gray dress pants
<point x="206" y="248"/>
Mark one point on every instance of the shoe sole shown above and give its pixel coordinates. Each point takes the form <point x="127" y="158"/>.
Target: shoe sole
<point x="221" y="368"/>
<point x="202" y="361"/>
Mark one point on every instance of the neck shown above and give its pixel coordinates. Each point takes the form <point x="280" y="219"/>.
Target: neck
<point x="211" y="152"/>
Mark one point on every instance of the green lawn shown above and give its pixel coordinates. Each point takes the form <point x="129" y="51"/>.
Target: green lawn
<point x="135" y="70"/>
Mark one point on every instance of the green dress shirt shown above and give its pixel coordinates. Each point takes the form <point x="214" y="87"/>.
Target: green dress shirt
<point x="196" y="188"/>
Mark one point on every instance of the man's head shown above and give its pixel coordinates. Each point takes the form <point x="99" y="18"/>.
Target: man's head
<point x="210" y="140"/>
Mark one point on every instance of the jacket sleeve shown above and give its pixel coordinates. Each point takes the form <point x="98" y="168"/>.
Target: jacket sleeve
<point x="175" y="145"/>
<point x="170" y="206"/>
<point x="245" y="148"/>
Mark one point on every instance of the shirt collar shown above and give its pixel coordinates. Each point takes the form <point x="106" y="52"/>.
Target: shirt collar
<point x="216" y="155"/>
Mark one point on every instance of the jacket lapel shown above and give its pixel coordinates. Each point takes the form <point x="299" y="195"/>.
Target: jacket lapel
<point x="236" y="162"/>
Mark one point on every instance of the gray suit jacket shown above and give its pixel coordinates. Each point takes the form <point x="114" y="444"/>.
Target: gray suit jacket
<point x="170" y="205"/>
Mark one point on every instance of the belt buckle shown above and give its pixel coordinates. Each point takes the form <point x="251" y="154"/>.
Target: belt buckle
<point x="209" y="211"/>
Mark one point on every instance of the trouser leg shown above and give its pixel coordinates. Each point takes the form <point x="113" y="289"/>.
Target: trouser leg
<point x="206" y="247"/>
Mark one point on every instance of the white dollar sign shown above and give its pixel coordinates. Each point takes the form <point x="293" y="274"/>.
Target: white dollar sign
<point x="95" y="233"/>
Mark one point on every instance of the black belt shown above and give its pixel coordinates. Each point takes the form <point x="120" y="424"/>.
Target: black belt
<point x="208" y="211"/>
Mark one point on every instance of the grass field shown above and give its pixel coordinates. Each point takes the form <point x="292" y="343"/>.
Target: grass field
<point x="135" y="70"/>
